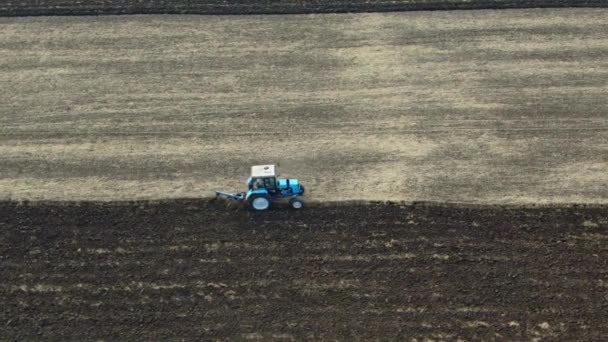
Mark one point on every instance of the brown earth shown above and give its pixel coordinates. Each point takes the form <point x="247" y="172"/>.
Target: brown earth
<point x="197" y="270"/>
<point x="96" y="7"/>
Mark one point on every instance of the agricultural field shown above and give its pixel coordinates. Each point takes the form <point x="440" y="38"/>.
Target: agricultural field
<point x="195" y="270"/>
<point x="109" y="124"/>
<point x="465" y="106"/>
<point x="95" y="7"/>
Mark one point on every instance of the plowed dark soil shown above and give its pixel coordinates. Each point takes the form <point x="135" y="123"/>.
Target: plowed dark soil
<point x="95" y="7"/>
<point x="197" y="270"/>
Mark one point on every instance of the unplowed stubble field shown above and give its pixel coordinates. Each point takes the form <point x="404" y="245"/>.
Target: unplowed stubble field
<point x="465" y="106"/>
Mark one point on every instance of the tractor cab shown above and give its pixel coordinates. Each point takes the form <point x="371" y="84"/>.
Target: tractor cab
<point x="263" y="177"/>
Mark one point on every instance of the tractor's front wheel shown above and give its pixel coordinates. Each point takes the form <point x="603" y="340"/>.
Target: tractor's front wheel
<point x="259" y="203"/>
<point x="296" y="203"/>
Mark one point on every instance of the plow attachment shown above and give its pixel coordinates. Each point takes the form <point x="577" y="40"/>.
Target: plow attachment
<point x="237" y="197"/>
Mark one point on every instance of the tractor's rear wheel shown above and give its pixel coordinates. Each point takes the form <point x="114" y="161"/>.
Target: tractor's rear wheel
<point x="259" y="203"/>
<point x="296" y="203"/>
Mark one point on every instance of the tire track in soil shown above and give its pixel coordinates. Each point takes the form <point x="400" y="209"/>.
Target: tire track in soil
<point x="194" y="270"/>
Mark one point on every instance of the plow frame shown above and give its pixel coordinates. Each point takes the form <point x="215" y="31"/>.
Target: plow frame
<point x="240" y="197"/>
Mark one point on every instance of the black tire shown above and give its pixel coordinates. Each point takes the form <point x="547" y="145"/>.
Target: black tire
<point x="256" y="202"/>
<point x="296" y="203"/>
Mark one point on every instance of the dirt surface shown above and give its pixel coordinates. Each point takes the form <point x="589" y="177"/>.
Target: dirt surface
<point x="465" y="106"/>
<point x="95" y="7"/>
<point x="197" y="270"/>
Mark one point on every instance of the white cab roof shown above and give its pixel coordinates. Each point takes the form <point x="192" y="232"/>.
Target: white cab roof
<point x="263" y="171"/>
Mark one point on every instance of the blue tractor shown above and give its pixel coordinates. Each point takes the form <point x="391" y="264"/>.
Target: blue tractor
<point x="264" y="188"/>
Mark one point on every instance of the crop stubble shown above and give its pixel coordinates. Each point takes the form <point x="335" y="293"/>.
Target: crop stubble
<point x="472" y="106"/>
<point x="196" y="270"/>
